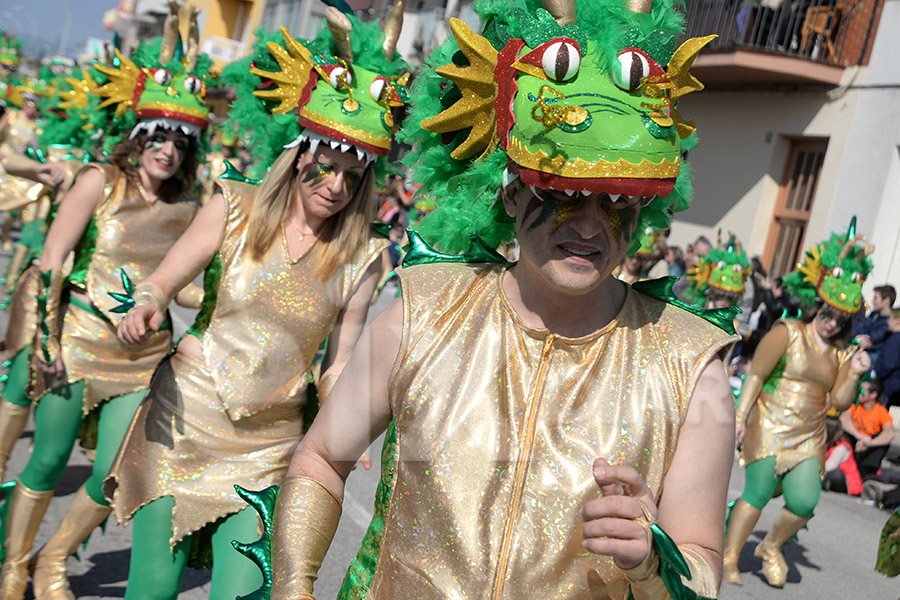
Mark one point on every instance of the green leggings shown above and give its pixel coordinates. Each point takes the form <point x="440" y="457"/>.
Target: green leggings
<point x="155" y="571"/>
<point x="58" y="420"/>
<point x="17" y="379"/>
<point x="801" y="485"/>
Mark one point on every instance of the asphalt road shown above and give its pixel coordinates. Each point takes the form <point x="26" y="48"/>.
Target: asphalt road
<point x="834" y="558"/>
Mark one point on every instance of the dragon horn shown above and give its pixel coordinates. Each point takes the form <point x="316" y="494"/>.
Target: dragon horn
<point x="393" y="22"/>
<point x="170" y="33"/>
<point x="339" y="26"/>
<point x="732" y="246"/>
<point x="719" y="239"/>
<point x="193" y="41"/>
<point x="846" y="248"/>
<point x="640" y="6"/>
<point x="851" y="232"/>
<point x="561" y="10"/>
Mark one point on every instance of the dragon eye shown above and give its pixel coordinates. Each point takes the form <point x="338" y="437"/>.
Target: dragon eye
<point x="737" y="268"/>
<point x="561" y="61"/>
<point x="837" y="272"/>
<point x="634" y="66"/>
<point x="336" y="78"/>
<point x="720" y="265"/>
<point x="193" y="84"/>
<point x="856" y="277"/>
<point x="162" y="76"/>
<point x="378" y="89"/>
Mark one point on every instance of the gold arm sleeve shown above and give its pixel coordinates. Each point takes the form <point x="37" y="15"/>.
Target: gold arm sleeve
<point x="49" y="298"/>
<point x="647" y="584"/>
<point x="147" y="293"/>
<point x="306" y="517"/>
<point x="190" y="296"/>
<point x="749" y="393"/>
<point x="846" y="387"/>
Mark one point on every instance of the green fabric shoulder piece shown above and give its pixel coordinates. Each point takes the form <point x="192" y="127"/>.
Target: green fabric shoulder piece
<point x="661" y="289"/>
<point x="36" y="154"/>
<point x="362" y="569"/>
<point x="771" y="383"/>
<point x="260" y="551"/>
<point x="233" y="174"/>
<point x="418" y="252"/>
<point x="211" y="280"/>
<point x="381" y="229"/>
<point x="84" y="252"/>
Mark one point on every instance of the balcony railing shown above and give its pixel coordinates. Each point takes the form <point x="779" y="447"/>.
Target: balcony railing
<point x="223" y="49"/>
<point x="814" y="29"/>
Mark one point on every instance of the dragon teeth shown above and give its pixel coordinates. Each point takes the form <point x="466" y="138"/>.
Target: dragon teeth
<point x="570" y="192"/>
<point x="614" y="197"/>
<point x="585" y="192"/>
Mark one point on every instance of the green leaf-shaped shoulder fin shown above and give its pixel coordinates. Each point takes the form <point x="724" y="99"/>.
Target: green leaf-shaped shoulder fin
<point x="260" y="551"/>
<point x="419" y="252"/>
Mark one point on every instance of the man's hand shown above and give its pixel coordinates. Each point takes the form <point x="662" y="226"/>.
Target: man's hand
<point x="57" y="368"/>
<point x="865" y="342"/>
<point x="863" y="443"/>
<point x="613" y="523"/>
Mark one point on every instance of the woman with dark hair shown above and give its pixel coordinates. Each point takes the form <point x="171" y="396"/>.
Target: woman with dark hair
<point x="294" y="261"/>
<point x="119" y="219"/>
<point x="780" y="416"/>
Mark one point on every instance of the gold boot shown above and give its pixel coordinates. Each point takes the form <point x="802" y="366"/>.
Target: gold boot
<point x="14" y="270"/>
<point x="740" y="525"/>
<point x="12" y="423"/>
<point x="769" y="550"/>
<point x="50" y="580"/>
<point x="23" y="517"/>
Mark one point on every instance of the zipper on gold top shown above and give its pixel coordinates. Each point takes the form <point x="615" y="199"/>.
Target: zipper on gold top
<point x="524" y="458"/>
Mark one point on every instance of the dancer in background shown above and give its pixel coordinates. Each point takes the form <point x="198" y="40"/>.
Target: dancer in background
<point x="119" y="219"/>
<point x="781" y="411"/>
<point x="294" y="261"/>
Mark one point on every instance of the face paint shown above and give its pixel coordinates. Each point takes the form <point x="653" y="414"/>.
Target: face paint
<point x="559" y="208"/>
<point x="158" y="140"/>
<point x="318" y="172"/>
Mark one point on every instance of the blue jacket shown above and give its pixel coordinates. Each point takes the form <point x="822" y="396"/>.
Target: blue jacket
<point x="887" y="368"/>
<point x="875" y="326"/>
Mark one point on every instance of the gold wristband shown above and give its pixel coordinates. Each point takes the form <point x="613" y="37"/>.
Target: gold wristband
<point x="147" y="293"/>
<point x="306" y="517"/>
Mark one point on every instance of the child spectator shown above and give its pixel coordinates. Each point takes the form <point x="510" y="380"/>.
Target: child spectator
<point x="841" y="473"/>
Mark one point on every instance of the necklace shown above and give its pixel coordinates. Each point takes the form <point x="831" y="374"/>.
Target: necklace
<point x="298" y="230"/>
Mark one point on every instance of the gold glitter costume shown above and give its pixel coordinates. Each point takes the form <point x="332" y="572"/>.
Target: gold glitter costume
<point x="498" y="426"/>
<point x="787" y="420"/>
<point x="235" y="416"/>
<point x="127" y="233"/>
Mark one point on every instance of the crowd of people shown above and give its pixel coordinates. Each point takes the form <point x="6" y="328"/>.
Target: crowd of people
<point x="551" y="376"/>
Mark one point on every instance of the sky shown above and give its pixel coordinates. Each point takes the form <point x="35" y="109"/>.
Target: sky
<point x="48" y="18"/>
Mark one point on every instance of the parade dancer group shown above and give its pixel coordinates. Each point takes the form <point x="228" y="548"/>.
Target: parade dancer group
<point x="549" y="427"/>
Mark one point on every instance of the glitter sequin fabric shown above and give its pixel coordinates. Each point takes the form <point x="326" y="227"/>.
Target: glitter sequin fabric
<point x="788" y="422"/>
<point x="234" y="417"/>
<point x="133" y="235"/>
<point x="498" y="427"/>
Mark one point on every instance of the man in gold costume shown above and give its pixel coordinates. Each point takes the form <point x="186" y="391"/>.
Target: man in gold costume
<point x="558" y="432"/>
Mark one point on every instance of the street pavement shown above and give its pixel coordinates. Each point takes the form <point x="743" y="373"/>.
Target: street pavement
<point x="833" y="559"/>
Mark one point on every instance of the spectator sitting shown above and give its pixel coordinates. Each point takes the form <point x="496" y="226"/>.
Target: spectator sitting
<point x="887" y="367"/>
<point x="872" y="331"/>
<point x="870" y="429"/>
<point x="841" y="473"/>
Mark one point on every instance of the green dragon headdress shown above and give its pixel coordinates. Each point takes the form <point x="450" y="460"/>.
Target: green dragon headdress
<point x="160" y="86"/>
<point x="834" y="271"/>
<point x="577" y="95"/>
<point x="10" y="51"/>
<point x="339" y="89"/>
<point x="723" y="272"/>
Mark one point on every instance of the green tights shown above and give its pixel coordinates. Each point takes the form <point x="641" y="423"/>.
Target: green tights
<point x="801" y="485"/>
<point x="17" y="379"/>
<point x="155" y="571"/>
<point x="58" y="420"/>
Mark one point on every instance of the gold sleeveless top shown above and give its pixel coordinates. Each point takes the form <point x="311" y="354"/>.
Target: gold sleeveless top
<point x="17" y="192"/>
<point x="788" y="420"/>
<point x="131" y="234"/>
<point x="272" y="312"/>
<point x="498" y="428"/>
